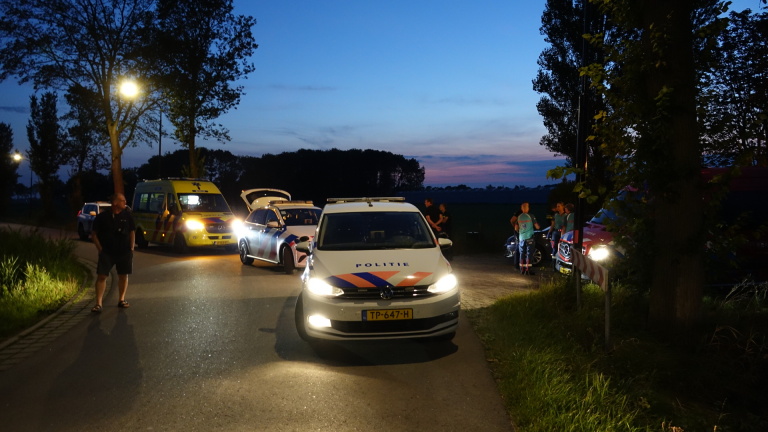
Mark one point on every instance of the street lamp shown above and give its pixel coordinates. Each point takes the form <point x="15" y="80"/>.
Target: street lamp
<point x="129" y="89"/>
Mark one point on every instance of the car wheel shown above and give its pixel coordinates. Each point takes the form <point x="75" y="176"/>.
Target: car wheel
<point x="81" y="232"/>
<point x="244" y="258"/>
<point x="179" y="244"/>
<point x="288" y="263"/>
<point x="140" y="240"/>
<point x="537" y="257"/>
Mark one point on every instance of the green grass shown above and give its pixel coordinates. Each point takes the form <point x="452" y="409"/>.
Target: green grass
<point x="555" y="375"/>
<point x="37" y="276"/>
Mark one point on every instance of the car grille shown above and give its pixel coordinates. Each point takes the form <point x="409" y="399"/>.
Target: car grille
<point x="392" y="326"/>
<point x="376" y="293"/>
<point x="565" y="251"/>
<point x="215" y="228"/>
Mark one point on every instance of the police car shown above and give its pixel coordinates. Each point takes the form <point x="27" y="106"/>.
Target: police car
<point x="376" y="271"/>
<point x="273" y="227"/>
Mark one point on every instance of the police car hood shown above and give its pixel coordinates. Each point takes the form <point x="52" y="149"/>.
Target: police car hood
<point x="379" y="268"/>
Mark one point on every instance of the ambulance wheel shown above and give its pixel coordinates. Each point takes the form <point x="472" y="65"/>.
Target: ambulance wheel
<point x="179" y="244"/>
<point x="288" y="264"/>
<point x="243" y="250"/>
<point x="140" y="240"/>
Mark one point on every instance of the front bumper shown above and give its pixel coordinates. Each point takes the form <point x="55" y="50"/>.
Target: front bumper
<point x="431" y="316"/>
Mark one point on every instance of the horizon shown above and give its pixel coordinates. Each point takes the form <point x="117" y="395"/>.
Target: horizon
<point x="446" y="83"/>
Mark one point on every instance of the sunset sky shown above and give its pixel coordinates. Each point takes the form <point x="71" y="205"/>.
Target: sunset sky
<point x="447" y="82"/>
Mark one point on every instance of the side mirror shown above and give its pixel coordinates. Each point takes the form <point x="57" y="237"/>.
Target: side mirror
<point x="304" y="246"/>
<point x="273" y="224"/>
<point x="92" y="213"/>
<point x="444" y="243"/>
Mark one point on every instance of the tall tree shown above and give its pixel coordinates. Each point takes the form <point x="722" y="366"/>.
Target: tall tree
<point x="8" y="167"/>
<point x="649" y="82"/>
<point x="735" y="98"/>
<point x="565" y="95"/>
<point x="87" y="145"/>
<point x="204" y="48"/>
<point x="92" y="43"/>
<point x="46" y="141"/>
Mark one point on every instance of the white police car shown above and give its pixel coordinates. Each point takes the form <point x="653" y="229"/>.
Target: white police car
<point x="273" y="227"/>
<point x="376" y="271"/>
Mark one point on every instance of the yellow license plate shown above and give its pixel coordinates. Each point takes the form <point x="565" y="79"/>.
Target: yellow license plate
<point x="387" y="314"/>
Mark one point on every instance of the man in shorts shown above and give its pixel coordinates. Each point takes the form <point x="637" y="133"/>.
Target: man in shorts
<point x="114" y="235"/>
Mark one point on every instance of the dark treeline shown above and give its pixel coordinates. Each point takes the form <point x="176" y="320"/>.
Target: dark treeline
<point x="307" y="174"/>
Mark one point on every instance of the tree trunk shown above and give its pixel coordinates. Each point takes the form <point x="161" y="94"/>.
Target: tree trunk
<point x="117" y="162"/>
<point x="676" y="288"/>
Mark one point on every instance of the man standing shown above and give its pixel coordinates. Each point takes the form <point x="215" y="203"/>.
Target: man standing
<point x="558" y="222"/>
<point x="433" y="215"/>
<point x="114" y="235"/>
<point x="525" y="229"/>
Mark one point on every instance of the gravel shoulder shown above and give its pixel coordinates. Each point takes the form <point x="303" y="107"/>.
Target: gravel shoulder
<point x="485" y="278"/>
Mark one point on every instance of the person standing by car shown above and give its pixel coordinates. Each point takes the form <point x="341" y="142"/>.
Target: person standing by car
<point x="432" y="215"/>
<point x="569" y="218"/>
<point x="114" y="235"/>
<point x="558" y="222"/>
<point x="445" y="220"/>
<point x="526" y="226"/>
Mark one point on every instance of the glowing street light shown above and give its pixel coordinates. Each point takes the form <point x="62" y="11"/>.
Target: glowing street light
<point x="129" y="89"/>
<point x="17" y="157"/>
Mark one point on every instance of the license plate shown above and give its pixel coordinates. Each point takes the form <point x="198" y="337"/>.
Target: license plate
<point x="387" y="314"/>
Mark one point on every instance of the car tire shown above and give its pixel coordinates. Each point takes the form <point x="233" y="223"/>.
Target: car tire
<point x="243" y="251"/>
<point x="81" y="232"/>
<point x="141" y="242"/>
<point x="179" y="244"/>
<point x="289" y="265"/>
<point x="538" y="256"/>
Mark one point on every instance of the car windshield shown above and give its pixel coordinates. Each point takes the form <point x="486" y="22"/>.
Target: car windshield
<point x="200" y="202"/>
<point x="300" y="216"/>
<point x="374" y="230"/>
<point x="603" y="217"/>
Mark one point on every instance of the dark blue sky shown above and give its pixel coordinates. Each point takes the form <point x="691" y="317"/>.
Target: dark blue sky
<point x="447" y="82"/>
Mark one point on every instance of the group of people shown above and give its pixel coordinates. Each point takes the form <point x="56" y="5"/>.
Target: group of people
<point x="526" y="224"/>
<point x="438" y="218"/>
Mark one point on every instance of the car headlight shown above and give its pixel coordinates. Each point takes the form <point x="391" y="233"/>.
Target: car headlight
<point x="445" y="284"/>
<point x="599" y="253"/>
<point x="237" y="227"/>
<point x="321" y="287"/>
<point x="194" y="225"/>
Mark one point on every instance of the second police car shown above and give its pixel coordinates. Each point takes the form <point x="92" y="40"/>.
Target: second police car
<point x="273" y="227"/>
<point x="376" y="271"/>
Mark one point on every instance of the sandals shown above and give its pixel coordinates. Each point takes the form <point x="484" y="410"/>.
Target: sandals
<point x="121" y="303"/>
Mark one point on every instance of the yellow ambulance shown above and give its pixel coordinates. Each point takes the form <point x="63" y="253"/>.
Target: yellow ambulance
<point x="184" y="213"/>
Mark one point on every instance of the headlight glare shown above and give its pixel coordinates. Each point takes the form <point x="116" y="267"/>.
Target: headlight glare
<point x="194" y="225"/>
<point x="599" y="253"/>
<point x="444" y="284"/>
<point x="320" y="287"/>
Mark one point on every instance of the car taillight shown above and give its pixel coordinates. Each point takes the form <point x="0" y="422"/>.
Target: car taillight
<point x="79" y="212"/>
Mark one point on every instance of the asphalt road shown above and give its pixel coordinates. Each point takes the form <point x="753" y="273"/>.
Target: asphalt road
<point x="210" y="344"/>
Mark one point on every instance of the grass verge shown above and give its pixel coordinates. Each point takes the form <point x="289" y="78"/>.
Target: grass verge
<point x="555" y="375"/>
<point x="37" y="276"/>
